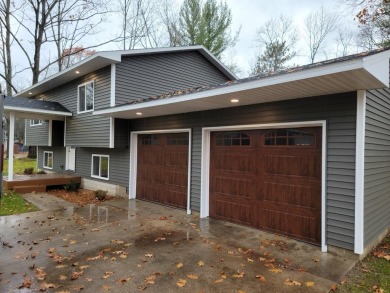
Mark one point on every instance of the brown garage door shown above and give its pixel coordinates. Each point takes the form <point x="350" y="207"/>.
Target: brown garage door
<point x="162" y="168"/>
<point x="268" y="179"/>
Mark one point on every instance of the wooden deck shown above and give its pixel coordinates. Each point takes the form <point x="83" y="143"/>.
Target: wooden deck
<point x="37" y="182"/>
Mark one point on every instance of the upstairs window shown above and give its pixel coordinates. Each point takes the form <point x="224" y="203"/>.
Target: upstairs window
<point x="289" y="137"/>
<point x="85" y="97"/>
<point x="233" y="138"/>
<point x="34" y="122"/>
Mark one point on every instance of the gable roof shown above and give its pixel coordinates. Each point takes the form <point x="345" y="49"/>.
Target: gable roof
<point x="106" y="58"/>
<point x="369" y="70"/>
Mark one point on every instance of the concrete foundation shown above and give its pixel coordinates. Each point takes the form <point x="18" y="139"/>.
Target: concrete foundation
<point x="112" y="189"/>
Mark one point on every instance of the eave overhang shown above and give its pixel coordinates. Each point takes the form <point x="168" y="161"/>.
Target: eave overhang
<point x="360" y="73"/>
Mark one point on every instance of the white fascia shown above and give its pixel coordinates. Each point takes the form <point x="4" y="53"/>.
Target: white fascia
<point x="378" y="66"/>
<point x="359" y="171"/>
<point x="113" y="78"/>
<point x="37" y="111"/>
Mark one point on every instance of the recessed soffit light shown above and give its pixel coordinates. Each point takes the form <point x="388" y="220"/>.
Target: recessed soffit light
<point x="234" y="100"/>
<point x="138" y="113"/>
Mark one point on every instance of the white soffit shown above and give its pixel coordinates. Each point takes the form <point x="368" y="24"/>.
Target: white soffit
<point x="369" y="72"/>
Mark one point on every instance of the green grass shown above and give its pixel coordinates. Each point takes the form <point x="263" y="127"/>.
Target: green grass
<point x="12" y="203"/>
<point x="20" y="165"/>
<point x="372" y="274"/>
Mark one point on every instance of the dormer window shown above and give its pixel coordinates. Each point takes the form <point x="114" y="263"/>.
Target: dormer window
<point x="85" y="97"/>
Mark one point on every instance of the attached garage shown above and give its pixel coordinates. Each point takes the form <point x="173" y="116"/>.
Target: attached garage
<point x="162" y="168"/>
<point x="269" y="179"/>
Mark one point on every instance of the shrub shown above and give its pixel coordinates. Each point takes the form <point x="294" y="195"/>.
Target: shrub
<point x="72" y="186"/>
<point x="41" y="172"/>
<point x="28" y="171"/>
<point x="100" y="194"/>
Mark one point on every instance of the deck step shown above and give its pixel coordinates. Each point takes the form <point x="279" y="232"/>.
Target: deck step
<point x="28" y="189"/>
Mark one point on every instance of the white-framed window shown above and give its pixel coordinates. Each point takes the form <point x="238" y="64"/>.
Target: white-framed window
<point x="34" y="122"/>
<point x="85" y="97"/>
<point x="48" y="160"/>
<point x="100" y="166"/>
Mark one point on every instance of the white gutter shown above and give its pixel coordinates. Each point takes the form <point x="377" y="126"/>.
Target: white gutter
<point x="37" y="111"/>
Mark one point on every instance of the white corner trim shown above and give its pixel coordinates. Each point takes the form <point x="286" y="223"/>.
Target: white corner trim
<point x="133" y="161"/>
<point x="11" y="139"/>
<point x="205" y="164"/>
<point x="113" y="78"/>
<point x="112" y="132"/>
<point x="50" y="134"/>
<point x="65" y="132"/>
<point x="359" y="171"/>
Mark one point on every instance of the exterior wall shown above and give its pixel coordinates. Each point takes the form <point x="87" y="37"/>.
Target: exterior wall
<point x="37" y="135"/>
<point x="340" y="113"/>
<point x="84" y="130"/>
<point x="139" y="77"/>
<point x="377" y="165"/>
<point x="59" y="156"/>
<point x="118" y="166"/>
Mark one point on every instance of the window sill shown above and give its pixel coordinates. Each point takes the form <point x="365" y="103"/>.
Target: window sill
<point x="102" y="178"/>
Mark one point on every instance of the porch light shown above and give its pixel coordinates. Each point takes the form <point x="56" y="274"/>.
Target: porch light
<point x="30" y="93"/>
<point x="77" y="72"/>
<point x="138" y="113"/>
<point x="234" y="100"/>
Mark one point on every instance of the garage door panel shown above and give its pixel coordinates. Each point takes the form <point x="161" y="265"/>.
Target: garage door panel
<point x="279" y="186"/>
<point x="235" y="212"/>
<point x="162" y="168"/>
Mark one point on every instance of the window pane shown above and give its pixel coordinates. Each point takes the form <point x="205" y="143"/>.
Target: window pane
<point x="95" y="165"/>
<point x="82" y="98"/>
<point x="104" y="167"/>
<point x="89" y="96"/>
<point x="46" y="159"/>
<point x="50" y="160"/>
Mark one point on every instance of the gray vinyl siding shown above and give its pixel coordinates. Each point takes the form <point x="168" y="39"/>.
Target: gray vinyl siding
<point x="340" y="113"/>
<point x="377" y="165"/>
<point x="84" y="129"/>
<point x="139" y="77"/>
<point x="119" y="163"/>
<point x="59" y="157"/>
<point x="37" y="135"/>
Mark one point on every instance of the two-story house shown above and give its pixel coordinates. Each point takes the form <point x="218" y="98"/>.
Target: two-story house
<point x="303" y="153"/>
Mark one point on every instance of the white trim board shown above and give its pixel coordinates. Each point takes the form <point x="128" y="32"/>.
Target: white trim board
<point x="133" y="160"/>
<point x="205" y="164"/>
<point x="359" y="171"/>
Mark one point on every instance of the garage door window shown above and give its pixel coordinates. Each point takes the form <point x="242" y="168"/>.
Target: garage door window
<point x="289" y="137"/>
<point x="232" y="138"/>
<point x="100" y="166"/>
<point x="177" y="139"/>
<point x="148" y="139"/>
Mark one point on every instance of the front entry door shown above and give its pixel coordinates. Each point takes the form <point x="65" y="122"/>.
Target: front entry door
<point x="70" y="158"/>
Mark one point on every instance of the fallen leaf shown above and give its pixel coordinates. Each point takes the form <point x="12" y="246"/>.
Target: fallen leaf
<point x="181" y="283"/>
<point x="51" y="250"/>
<point x="44" y="286"/>
<point x="201" y="263"/>
<point x="107" y="275"/>
<point x="117" y="241"/>
<point x="292" y="283"/>
<point x="72" y="241"/>
<point x="179" y="265"/>
<point x="250" y="260"/>
<point x="89" y="279"/>
<point x="62" y="277"/>
<point x="60" y="266"/>
<point x="309" y="284"/>
<point x="240" y="291"/>
<point x="239" y="275"/>
<point x="149" y="255"/>
<point x="274" y="270"/>
<point x="76" y="275"/>
<point x="40" y="274"/>
<point x="316" y="260"/>
<point x="123" y="256"/>
<point x="84" y="267"/>
<point x="261" y="278"/>
<point x="95" y="229"/>
<point x="150" y="279"/>
<point x="218" y="281"/>
<point x="106" y="288"/>
<point x="192" y="276"/>
<point x="26" y="283"/>
<point x="333" y="287"/>
<point x="223" y="275"/>
<point x="124" y="280"/>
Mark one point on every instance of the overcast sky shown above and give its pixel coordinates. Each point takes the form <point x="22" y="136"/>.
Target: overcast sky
<point x="251" y="14"/>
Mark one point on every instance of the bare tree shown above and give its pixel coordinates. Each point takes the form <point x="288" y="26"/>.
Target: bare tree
<point x="139" y="19"/>
<point x="171" y="22"/>
<point x="318" y="26"/>
<point x="276" y="40"/>
<point x="345" y="41"/>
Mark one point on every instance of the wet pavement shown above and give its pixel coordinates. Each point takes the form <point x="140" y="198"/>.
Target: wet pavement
<point x="135" y="246"/>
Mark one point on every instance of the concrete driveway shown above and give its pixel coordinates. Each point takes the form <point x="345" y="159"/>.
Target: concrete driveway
<point x="134" y="246"/>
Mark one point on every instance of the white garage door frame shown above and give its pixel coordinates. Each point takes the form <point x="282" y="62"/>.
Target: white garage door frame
<point x="205" y="164"/>
<point x="133" y="161"/>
